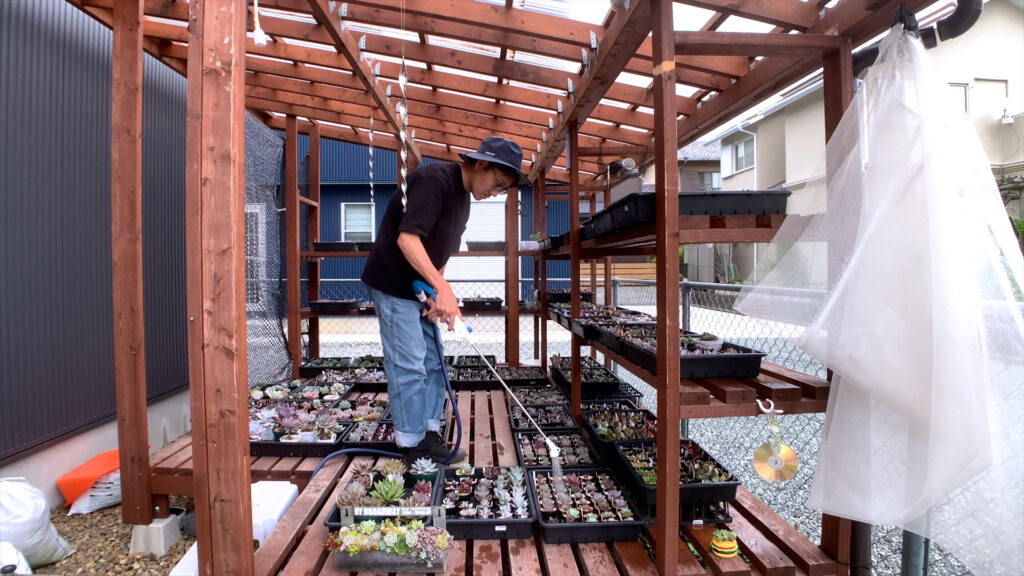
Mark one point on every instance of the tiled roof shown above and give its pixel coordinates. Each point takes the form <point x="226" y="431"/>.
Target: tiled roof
<point x="700" y="152"/>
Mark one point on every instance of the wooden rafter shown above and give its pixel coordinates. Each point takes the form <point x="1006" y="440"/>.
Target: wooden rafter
<point x="625" y="33"/>
<point x="348" y="47"/>
<point x="756" y="44"/>
<point x="791" y="14"/>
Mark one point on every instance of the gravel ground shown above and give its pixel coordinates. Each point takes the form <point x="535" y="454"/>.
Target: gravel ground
<point x="101" y="544"/>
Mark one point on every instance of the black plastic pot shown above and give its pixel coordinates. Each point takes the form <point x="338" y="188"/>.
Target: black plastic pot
<point x="577" y="532"/>
<point x="476" y="246"/>
<point x="487" y="528"/>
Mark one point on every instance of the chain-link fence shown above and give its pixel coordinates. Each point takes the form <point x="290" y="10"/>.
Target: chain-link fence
<point x="709" y="308"/>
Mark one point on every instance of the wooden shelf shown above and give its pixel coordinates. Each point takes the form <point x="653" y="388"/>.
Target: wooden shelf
<point x="639" y="241"/>
<point x="316" y="255"/>
<point x="792" y="391"/>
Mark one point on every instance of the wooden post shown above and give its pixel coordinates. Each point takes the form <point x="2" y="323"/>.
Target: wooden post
<point x="293" y="270"/>
<point x="837" y="72"/>
<point x="313" y="235"/>
<point x="572" y="146"/>
<point x="126" y="245"/>
<point x="607" y="269"/>
<point x="215" y="248"/>
<point x="535" y="197"/>
<point x="542" y="284"/>
<point x="512" y="277"/>
<point x="666" y="229"/>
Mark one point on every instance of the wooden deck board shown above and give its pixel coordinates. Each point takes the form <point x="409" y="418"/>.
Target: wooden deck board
<point x="807" y="556"/>
<point x="597" y="559"/>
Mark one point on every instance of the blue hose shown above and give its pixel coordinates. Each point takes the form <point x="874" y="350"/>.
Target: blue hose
<point x="455" y="409"/>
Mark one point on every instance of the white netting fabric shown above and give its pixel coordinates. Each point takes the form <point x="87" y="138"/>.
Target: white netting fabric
<point x="923" y="324"/>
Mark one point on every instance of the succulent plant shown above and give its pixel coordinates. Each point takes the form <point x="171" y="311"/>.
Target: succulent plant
<point x="423" y="487"/>
<point x="363" y="473"/>
<point x="389" y="491"/>
<point x="391" y="468"/>
<point x="466" y="469"/>
<point x="352" y="495"/>
<point x="423" y="467"/>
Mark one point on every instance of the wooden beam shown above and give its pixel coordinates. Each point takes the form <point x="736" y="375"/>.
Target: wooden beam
<point x="348" y="47"/>
<point x="215" y="264"/>
<point x="292" y="239"/>
<point x="666" y="184"/>
<point x="126" y="244"/>
<point x="791" y="14"/>
<point x="627" y="30"/>
<point x="585" y="151"/>
<point x="756" y="44"/>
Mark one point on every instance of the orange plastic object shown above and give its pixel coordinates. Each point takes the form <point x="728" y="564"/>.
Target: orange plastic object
<point x="76" y="482"/>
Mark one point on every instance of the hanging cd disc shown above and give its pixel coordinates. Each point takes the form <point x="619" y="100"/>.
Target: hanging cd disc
<point x="775" y="465"/>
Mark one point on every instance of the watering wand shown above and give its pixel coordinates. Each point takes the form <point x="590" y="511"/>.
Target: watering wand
<point x="423" y="290"/>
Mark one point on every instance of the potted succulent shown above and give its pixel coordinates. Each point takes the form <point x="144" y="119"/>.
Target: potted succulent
<point x="424" y="469"/>
<point x="466" y="469"/>
<point x="325" y="425"/>
<point x="709" y="341"/>
<point x="391" y="469"/>
<point x="724" y="545"/>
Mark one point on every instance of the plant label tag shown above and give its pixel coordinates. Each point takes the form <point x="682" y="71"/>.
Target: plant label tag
<point x="698" y="522"/>
<point x="499" y="528"/>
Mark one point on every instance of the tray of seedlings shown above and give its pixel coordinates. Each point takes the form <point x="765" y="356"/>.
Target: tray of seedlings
<point x="294" y="429"/>
<point x="373" y="434"/>
<point x="566" y="296"/>
<point x="597" y="380"/>
<point x="481" y="303"/>
<point x="540" y="395"/>
<point x="705" y="487"/>
<point x="280" y="390"/>
<point x="469" y="360"/>
<point x="363" y="379"/>
<point x="326" y="391"/>
<point x="609" y="427"/>
<point x="592" y="507"/>
<point x="532" y="450"/>
<point x="317" y="365"/>
<point x="386" y="484"/>
<point x="486" y="503"/>
<point x="609" y="404"/>
<point x="329" y="306"/>
<point x="549" y="417"/>
<point x="700" y="355"/>
<point x="368" y="362"/>
<point x="594" y="317"/>
<point x="365" y="407"/>
<point x="523" y="376"/>
<point x="475" y="378"/>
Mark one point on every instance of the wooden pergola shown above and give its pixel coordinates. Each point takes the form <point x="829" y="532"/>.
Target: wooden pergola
<point x="474" y="69"/>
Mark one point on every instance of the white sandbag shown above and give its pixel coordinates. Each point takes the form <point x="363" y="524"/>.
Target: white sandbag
<point x="104" y="493"/>
<point x="11" y="556"/>
<point x="25" y="523"/>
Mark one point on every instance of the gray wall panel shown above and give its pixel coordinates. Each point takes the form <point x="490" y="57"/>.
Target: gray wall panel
<point x="56" y="364"/>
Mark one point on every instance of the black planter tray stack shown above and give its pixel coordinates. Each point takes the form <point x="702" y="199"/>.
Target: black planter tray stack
<point x="475" y="378"/>
<point x="569" y="441"/>
<point x="522" y="375"/>
<point x="559" y="413"/>
<point x="478" y="246"/>
<point x="556" y="530"/>
<point x="315" y="366"/>
<point x="607" y="445"/>
<point x="478" y="304"/>
<point x="700" y="502"/>
<point x="484" y="528"/>
<point x="324" y="306"/>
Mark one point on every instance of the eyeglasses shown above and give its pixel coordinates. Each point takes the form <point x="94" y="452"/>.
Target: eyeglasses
<point x="499" y="185"/>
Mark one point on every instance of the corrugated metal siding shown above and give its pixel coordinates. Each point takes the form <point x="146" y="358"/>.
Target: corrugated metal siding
<point x="55" y="293"/>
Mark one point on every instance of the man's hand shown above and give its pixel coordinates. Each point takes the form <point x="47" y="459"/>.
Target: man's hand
<point x="446" y="306"/>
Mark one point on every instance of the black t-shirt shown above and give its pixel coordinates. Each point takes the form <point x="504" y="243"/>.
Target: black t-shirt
<point x="437" y="211"/>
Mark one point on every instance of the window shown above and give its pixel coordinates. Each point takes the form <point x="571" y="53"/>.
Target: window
<point x="743" y="155"/>
<point x="709" y="181"/>
<point x="958" y="96"/>
<point x="357" y="222"/>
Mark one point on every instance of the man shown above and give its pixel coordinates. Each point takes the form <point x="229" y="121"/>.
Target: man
<point x="415" y="244"/>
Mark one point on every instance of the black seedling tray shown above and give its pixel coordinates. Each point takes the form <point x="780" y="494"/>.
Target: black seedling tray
<point x="297" y="449"/>
<point x="369" y="387"/>
<point x="473" y="361"/>
<point x="566" y="296"/>
<point x="373" y="362"/>
<point x="495" y="246"/>
<point x="690" y="495"/>
<point x="638" y="208"/>
<point x="579" y="532"/>
<point x="334" y="306"/>
<point x="534" y="377"/>
<point x="746" y="363"/>
<point x="527" y="395"/>
<point x="336" y="246"/>
<point x="612" y="404"/>
<point x="464" y="381"/>
<point x="484" y="528"/>
<point x="533" y="436"/>
<point x="333" y="520"/>
<point x="588" y="387"/>
<point x="553" y="242"/>
<point x="314" y="367"/>
<point x="605" y="446"/>
<point x="599" y="225"/>
<point x="566" y="423"/>
<point x="389" y="445"/>
<point x="470" y="304"/>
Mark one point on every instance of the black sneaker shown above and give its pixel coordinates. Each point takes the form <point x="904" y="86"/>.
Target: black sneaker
<point x="411" y="455"/>
<point x="439" y="449"/>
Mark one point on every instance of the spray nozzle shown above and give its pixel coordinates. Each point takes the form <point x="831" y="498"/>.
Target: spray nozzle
<point x="553" y="450"/>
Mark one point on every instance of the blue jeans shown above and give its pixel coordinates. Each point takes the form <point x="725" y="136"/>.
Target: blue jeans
<point x="414" y="362"/>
